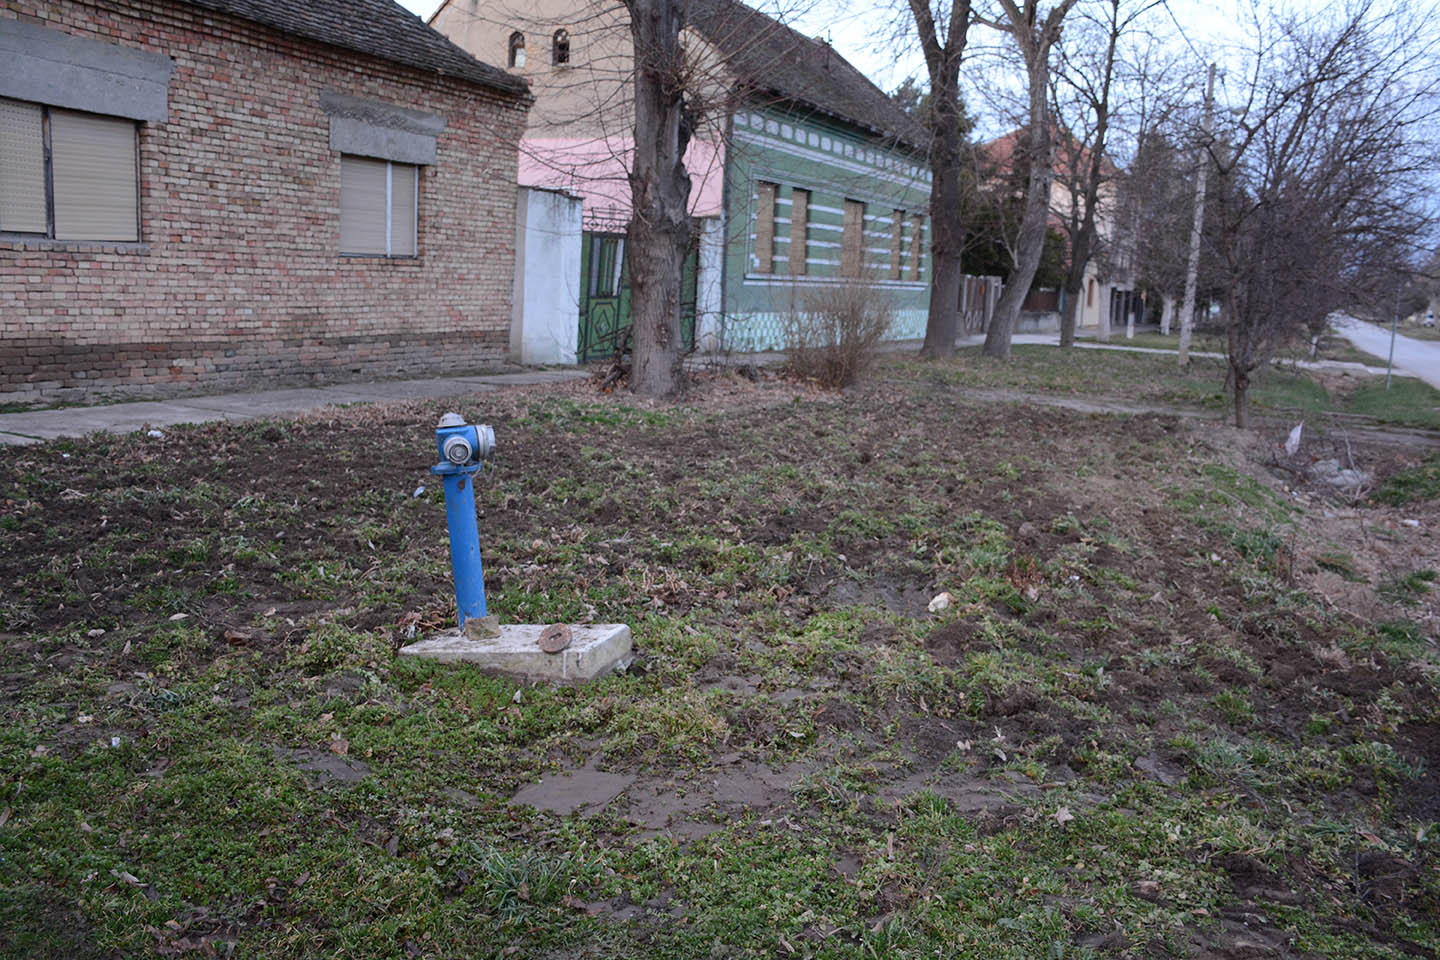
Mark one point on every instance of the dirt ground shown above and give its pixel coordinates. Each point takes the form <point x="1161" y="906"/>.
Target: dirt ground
<point x="1180" y="699"/>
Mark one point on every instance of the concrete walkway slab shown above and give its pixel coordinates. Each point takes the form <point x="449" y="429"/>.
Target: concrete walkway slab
<point x="39" y="425"/>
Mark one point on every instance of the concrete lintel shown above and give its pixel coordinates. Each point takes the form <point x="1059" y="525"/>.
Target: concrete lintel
<point x="50" y="66"/>
<point x="373" y="128"/>
<point x="594" y="649"/>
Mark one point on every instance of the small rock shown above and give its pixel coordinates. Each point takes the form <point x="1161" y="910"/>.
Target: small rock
<point x="941" y="602"/>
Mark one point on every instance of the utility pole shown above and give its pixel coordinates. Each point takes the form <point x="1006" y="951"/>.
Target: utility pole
<point x="1394" y="323"/>
<point x="1192" y="271"/>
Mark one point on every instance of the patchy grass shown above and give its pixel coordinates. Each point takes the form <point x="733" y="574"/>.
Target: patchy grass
<point x="1155" y="379"/>
<point x="1130" y="733"/>
<point x="1417" y="484"/>
<point x="1332" y="346"/>
<point x="1410" y="402"/>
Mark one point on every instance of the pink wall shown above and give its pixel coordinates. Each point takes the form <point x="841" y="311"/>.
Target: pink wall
<point x="596" y="171"/>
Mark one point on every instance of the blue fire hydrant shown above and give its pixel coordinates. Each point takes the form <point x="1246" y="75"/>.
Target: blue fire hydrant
<point x="464" y="448"/>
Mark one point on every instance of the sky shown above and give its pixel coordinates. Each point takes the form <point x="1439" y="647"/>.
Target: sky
<point x="861" y="31"/>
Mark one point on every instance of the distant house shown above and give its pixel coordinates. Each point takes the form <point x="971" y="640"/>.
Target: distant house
<point x="217" y="193"/>
<point x="805" y="174"/>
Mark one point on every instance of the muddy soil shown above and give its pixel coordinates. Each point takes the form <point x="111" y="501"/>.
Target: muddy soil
<point x="1125" y="570"/>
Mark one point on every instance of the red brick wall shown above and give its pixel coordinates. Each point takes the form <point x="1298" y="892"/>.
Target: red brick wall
<point x="238" y="281"/>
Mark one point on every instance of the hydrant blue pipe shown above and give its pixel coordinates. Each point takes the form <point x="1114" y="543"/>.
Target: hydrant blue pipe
<point x="463" y="449"/>
<point x="465" y="561"/>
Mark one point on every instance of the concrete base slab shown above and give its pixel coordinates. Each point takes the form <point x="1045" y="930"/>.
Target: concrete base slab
<point x="594" y="649"/>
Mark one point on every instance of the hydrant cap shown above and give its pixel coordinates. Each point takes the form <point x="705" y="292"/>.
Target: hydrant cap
<point x="451" y="420"/>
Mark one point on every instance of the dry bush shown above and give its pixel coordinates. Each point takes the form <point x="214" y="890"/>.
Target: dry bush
<point x="835" y="334"/>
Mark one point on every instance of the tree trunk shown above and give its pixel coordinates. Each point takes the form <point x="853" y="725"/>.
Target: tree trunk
<point x="1031" y="242"/>
<point x="1241" y="383"/>
<point x="1075" y="280"/>
<point x="1031" y="236"/>
<point x="1167" y="310"/>
<point x="947" y="231"/>
<point x="1197" y="225"/>
<point x="943" y="51"/>
<point x="1070" y="316"/>
<point x="659" y="232"/>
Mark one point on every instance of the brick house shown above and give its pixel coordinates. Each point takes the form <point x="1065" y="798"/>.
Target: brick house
<point x="220" y="193"/>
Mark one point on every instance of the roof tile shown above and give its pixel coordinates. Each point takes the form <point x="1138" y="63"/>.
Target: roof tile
<point x="380" y="28"/>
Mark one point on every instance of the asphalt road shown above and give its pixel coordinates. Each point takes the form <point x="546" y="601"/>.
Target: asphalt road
<point x="1418" y="358"/>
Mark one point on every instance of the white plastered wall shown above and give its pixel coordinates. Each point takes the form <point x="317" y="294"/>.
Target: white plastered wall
<point x="544" y="321"/>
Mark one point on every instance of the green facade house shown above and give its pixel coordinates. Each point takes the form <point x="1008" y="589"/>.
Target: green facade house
<point x="805" y="174"/>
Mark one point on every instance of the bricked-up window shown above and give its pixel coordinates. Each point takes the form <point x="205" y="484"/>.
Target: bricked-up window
<point x="377" y="207"/>
<point x="67" y="175"/>
<point x="917" y="245"/>
<point x="799" y="229"/>
<point x="517" y="49"/>
<point x="852" y="241"/>
<point x="764" y="227"/>
<point x="897" y="243"/>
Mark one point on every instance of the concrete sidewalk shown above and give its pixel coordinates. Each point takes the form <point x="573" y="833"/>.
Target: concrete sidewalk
<point x="39" y="425"/>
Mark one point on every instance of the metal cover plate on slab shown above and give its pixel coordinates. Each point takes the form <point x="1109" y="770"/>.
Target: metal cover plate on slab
<point x="594" y="649"/>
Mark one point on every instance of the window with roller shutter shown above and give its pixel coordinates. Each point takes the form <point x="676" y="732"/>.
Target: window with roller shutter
<point x="68" y="175"/>
<point x="378" y="200"/>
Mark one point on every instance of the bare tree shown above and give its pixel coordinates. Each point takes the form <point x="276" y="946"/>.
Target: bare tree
<point x="1033" y="38"/>
<point x="659" y="232"/>
<point x="1109" y="89"/>
<point x="1155" y="193"/>
<point x="1324" y="172"/>
<point x="943" y="29"/>
<point x="1083" y="165"/>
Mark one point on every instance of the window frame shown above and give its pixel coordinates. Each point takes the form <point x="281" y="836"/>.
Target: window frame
<point x="389" y="211"/>
<point x="516" y="45"/>
<point x="767" y="196"/>
<point x="48" y="152"/>
<point x="560" y="48"/>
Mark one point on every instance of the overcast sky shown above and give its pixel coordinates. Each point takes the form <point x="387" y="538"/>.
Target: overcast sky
<point x="863" y="33"/>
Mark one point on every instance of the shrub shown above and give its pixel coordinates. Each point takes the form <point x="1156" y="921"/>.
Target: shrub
<point x="834" y="335"/>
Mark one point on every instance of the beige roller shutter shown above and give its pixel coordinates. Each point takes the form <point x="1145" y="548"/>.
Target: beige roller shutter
<point x="897" y="241"/>
<point x="852" y="241"/>
<point x="94" y="169"/>
<point x="799" y="229"/>
<point x="22" y="168"/>
<point x="917" y="245"/>
<point x="402" y="210"/>
<point x="362" y="205"/>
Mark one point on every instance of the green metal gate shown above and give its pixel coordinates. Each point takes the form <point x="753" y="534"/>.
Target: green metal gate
<point x="605" y="295"/>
